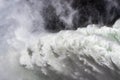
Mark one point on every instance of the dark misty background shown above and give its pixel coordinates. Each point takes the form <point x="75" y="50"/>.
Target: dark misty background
<point x="101" y="12"/>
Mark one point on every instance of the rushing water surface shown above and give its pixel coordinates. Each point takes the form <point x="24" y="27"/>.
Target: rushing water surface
<point x="59" y="40"/>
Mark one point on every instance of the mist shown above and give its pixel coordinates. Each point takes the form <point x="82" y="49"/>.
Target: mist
<point x="59" y="39"/>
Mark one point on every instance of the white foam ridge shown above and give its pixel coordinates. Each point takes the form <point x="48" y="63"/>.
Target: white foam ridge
<point x="75" y="53"/>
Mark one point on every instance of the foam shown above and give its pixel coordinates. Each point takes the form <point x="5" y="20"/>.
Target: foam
<point x="92" y="45"/>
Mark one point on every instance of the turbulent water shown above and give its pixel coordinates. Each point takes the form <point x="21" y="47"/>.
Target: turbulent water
<point x="59" y="40"/>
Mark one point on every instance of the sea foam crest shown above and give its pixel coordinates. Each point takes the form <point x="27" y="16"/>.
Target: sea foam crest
<point x="90" y="51"/>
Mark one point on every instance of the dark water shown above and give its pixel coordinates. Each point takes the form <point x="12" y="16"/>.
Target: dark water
<point x="71" y="14"/>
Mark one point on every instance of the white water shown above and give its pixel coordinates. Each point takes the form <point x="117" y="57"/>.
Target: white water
<point x="67" y="52"/>
<point x="31" y="53"/>
<point x="73" y="54"/>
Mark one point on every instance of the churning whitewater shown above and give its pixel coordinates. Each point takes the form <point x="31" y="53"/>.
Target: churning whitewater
<point x="90" y="53"/>
<point x="59" y="40"/>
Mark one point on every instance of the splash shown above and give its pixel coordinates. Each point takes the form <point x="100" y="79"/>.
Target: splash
<point x="38" y="40"/>
<point x="85" y="54"/>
